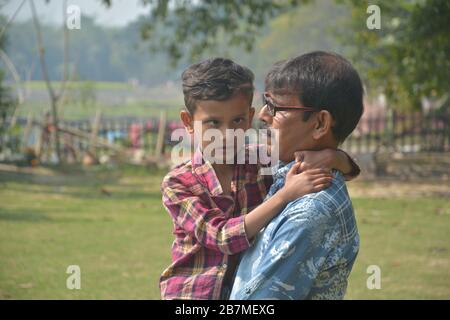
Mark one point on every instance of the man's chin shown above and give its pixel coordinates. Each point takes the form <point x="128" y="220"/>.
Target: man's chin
<point x="286" y="157"/>
<point x="287" y="160"/>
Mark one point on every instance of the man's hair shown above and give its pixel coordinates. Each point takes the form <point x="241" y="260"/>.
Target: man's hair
<point x="215" y="79"/>
<point x="324" y="81"/>
<point x="272" y="75"/>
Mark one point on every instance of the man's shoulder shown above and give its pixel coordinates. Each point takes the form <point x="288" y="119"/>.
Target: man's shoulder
<point x="333" y="199"/>
<point x="329" y="209"/>
<point x="335" y="195"/>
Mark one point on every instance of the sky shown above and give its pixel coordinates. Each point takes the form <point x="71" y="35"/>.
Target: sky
<point x="121" y="13"/>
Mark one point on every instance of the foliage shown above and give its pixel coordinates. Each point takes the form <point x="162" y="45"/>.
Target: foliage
<point x="8" y="102"/>
<point x="189" y="27"/>
<point x="409" y="58"/>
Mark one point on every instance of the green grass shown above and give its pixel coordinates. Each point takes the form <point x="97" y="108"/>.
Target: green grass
<point x="128" y="101"/>
<point x="409" y="239"/>
<point x="138" y="109"/>
<point x="122" y="241"/>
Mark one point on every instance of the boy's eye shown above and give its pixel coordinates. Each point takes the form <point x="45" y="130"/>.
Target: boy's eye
<point x="238" y="120"/>
<point x="211" y="122"/>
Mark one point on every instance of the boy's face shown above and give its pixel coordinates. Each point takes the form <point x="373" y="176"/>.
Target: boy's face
<point x="234" y="113"/>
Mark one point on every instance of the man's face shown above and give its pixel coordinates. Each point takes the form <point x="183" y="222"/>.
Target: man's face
<point x="234" y="113"/>
<point x="293" y="132"/>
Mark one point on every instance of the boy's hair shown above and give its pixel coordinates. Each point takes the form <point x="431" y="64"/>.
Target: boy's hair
<point x="215" y="79"/>
<point x="325" y="81"/>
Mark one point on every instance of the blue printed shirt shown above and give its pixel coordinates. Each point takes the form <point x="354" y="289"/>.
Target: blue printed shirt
<point x="305" y="252"/>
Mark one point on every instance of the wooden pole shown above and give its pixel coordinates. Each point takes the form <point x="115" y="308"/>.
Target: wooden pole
<point x="26" y="132"/>
<point x="94" y="132"/>
<point x="161" y="134"/>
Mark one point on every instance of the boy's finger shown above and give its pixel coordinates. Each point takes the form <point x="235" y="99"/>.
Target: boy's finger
<point x="323" y="180"/>
<point x="320" y="187"/>
<point x="294" y="169"/>
<point x="321" y="175"/>
<point x="318" y="170"/>
<point x="304" y="166"/>
<point x="299" y="156"/>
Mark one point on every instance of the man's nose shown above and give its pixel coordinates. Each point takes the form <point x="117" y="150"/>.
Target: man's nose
<point x="265" y="116"/>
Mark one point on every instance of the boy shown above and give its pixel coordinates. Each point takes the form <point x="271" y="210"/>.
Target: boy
<point x="217" y="209"/>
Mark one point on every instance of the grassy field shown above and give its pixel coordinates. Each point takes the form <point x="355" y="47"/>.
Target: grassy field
<point x="114" y="99"/>
<point x="135" y="109"/>
<point x="112" y="224"/>
<point x="77" y="84"/>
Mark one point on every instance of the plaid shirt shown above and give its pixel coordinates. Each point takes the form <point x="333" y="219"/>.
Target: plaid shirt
<point x="208" y="225"/>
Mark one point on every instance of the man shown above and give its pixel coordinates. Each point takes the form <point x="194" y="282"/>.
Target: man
<point x="308" y="250"/>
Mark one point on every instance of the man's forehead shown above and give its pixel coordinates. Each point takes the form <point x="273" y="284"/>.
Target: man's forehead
<point x="283" y="95"/>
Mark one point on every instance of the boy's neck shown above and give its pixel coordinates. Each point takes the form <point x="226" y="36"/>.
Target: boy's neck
<point x="223" y="169"/>
<point x="224" y="173"/>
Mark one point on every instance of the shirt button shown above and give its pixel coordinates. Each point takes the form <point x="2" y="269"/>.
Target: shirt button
<point x="247" y="290"/>
<point x="224" y="266"/>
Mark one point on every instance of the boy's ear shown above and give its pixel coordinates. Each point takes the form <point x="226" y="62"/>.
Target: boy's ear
<point x="251" y="115"/>
<point x="322" y="124"/>
<point x="187" y="121"/>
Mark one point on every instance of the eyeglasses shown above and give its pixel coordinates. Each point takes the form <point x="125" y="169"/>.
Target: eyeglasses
<point x="273" y="108"/>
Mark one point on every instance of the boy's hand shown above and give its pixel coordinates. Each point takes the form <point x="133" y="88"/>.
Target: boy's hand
<point x="327" y="159"/>
<point x="309" y="181"/>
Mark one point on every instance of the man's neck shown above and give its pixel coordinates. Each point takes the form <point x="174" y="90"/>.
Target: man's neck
<point x="325" y="143"/>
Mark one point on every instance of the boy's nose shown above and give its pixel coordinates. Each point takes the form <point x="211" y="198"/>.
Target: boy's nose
<point x="265" y="116"/>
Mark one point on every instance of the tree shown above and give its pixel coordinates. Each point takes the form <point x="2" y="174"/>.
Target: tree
<point x="409" y="57"/>
<point x="5" y="93"/>
<point x="189" y="28"/>
<point x="55" y="97"/>
<point x="7" y="105"/>
<point x="7" y="101"/>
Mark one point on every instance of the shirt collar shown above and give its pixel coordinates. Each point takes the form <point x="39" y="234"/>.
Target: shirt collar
<point x="207" y="175"/>
<point x="281" y="169"/>
<point x="204" y="170"/>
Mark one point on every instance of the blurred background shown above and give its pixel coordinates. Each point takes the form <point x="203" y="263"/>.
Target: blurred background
<point x="90" y="93"/>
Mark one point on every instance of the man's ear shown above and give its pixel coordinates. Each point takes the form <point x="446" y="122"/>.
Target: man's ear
<point x="251" y="115"/>
<point x="188" y="121"/>
<point x="323" y="124"/>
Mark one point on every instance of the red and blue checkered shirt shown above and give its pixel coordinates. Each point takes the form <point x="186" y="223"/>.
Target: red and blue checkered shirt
<point x="208" y="225"/>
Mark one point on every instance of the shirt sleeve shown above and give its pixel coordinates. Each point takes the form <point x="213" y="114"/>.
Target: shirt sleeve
<point x="295" y="254"/>
<point x="211" y="226"/>
<point x="356" y="170"/>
